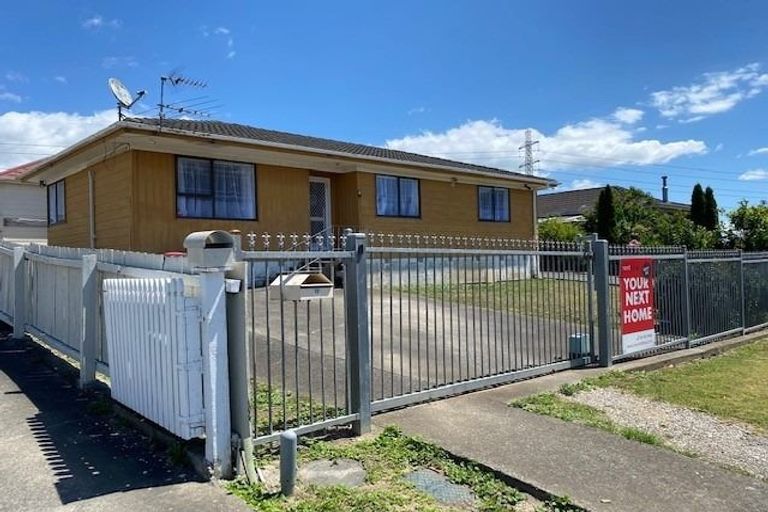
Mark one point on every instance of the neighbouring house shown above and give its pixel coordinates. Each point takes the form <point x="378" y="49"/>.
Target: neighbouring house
<point x="143" y="185"/>
<point x="22" y="205"/>
<point x="574" y="205"/>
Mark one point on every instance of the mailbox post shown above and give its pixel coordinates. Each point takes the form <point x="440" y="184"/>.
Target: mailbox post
<point x="211" y="254"/>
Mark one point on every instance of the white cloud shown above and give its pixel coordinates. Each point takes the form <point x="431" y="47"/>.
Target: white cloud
<point x="61" y="79"/>
<point x="719" y="147"/>
<point x="231" y="54"/>
<point x="222" y="31"/>
<point x="37" y="134"/>
<point x="16" y="76"/>
<point x="754" y="175"/>
<point x="592" y="143"/>
<point x="582" y="184"/>
<point x="628" y="115"/>
<point x="119" y="62"/>
<point x="417" y="110"/>
<point x="9" y="96"/>
<point x="758" y="151"/>
<point x="714" y="93"/>
<point x="97" y="21"/>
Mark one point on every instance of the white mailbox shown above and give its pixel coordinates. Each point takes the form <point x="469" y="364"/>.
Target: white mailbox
<point x="303" y="286"/>
<point x="209" y="249"/>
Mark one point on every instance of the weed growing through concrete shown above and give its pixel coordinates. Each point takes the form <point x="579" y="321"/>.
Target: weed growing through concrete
<point x="387" y="458"/>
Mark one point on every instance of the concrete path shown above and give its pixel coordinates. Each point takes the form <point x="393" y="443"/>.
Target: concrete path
<point x="597" y="470"/>
<point x="56" y="454"/>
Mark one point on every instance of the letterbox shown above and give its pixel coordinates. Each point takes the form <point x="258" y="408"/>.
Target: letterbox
<point x="302" y="286"/>
<point x="209" y="249"/>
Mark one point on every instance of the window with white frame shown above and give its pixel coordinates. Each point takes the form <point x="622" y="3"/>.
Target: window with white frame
<point x="397" y="197"/>
<point x="493" y="204"/>
<point x="57" y="203"/>
<point x="215" y="189"/>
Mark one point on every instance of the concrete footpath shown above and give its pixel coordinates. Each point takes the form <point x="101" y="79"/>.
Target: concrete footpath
<point x="57" y="453"/>
<point x="597" y="470"/>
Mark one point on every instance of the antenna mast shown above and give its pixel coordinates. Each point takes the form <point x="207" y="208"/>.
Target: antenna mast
<point x="176" y="80"/>
<point x="529" y="163"/>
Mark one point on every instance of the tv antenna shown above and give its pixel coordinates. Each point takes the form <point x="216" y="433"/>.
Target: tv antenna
<point x="123" y="96"/>
<point x="177" y="80"/>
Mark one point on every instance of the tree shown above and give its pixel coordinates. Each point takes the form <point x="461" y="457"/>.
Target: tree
<point x="698" y="205"/>
<point x="559" y="231"/>
<point x="711" y="217"/>
<point x="749" y="226"/>
<point x="606" y="215"/>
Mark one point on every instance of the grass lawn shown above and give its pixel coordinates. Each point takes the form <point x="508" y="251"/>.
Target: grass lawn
<point x="298" y="411"/>
<point x="555" y="405"/>
<point x="546" y="298"/>
<point x="387" y="458"/>
<point x="733" y="385"/>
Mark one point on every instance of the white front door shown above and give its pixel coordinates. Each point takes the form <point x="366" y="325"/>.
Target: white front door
<point x="319" y="207"/>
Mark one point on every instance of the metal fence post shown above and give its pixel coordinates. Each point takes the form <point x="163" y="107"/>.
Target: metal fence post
<point x="600" y="266"/>
<point x="213" y="332"/>
<point x="90" y="301"/>
<point x="239" y="351"/>
<point x="20" y="293"/>
<point x="358" y="343"/>
<point x="743" y="293"/>
<point x="687" y="300"/>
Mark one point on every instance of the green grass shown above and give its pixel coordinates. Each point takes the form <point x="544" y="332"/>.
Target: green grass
<point x="551" y="404"/>
<point x="297" y="412"/>
<point x="733" y="385"/>
<point x="387" y="458"/>
<point x="559" y="299"/>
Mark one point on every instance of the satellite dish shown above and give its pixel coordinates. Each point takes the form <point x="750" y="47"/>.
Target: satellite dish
<point x="121" y="93"/>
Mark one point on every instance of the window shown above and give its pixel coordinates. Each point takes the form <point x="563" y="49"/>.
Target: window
<point x="397" y="197"/>
<point x="493" y="204"/>
<point x="214" y="189"/>
<point x="57" y="204"/>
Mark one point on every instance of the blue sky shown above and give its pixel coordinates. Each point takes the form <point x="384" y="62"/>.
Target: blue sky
<point x="616" y="92"/>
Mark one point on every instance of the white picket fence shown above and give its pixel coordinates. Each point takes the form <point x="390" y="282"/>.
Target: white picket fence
<point x="153" y="330"/>
<point x="7" y="294"/>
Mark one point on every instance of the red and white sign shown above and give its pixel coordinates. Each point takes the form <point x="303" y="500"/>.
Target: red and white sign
<point x="637" y="325"/>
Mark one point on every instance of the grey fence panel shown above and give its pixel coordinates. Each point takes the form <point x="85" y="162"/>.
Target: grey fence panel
<point x="445" y="320"/>
<point x="755" y="268"/>
<point x="299" y="363"/>
<point x="715" y="295"/>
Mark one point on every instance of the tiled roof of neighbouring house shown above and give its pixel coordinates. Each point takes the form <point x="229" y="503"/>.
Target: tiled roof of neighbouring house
<point x="271" y="136"/>
<point x="18" y="172"/>
<point x="573" y="203"/>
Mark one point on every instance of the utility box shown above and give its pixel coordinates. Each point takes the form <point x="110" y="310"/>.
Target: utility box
<point x="303" y="286"/>
<point x="210" y="249"/>
<point x="578" y="345"/>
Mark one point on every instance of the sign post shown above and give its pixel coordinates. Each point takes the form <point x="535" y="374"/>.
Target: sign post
<point x="637" y="322"/>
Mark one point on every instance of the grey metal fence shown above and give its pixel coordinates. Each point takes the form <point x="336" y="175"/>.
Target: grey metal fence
<point x="409" y="318"/>
<point x="445" y="319"/>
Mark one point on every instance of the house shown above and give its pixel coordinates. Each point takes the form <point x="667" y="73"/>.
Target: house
<point x="573" y="205"/>
<point x="144" y="184"/>
<point x="22" y="206"/>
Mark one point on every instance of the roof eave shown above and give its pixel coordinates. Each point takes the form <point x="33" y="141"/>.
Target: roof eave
<point x="536" y="183"/>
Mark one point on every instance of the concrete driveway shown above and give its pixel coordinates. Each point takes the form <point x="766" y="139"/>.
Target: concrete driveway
<point x="416" y="343"/>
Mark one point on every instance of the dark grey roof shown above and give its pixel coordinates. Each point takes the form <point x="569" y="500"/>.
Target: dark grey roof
<point x="260" y="134"/>
<point x="572" y="203"/>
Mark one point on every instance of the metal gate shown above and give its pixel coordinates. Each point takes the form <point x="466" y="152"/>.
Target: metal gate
<point x="453" y="314"/>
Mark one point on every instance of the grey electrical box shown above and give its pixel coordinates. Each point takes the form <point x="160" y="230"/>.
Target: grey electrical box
<point x="210" y="249"/>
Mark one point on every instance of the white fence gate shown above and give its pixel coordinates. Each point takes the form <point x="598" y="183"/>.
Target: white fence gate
<point x="153" y="336"/>
<point x="7" y="284"/>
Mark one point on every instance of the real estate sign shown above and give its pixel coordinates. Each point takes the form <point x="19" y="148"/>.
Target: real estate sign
<point x="637" y="325"/>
